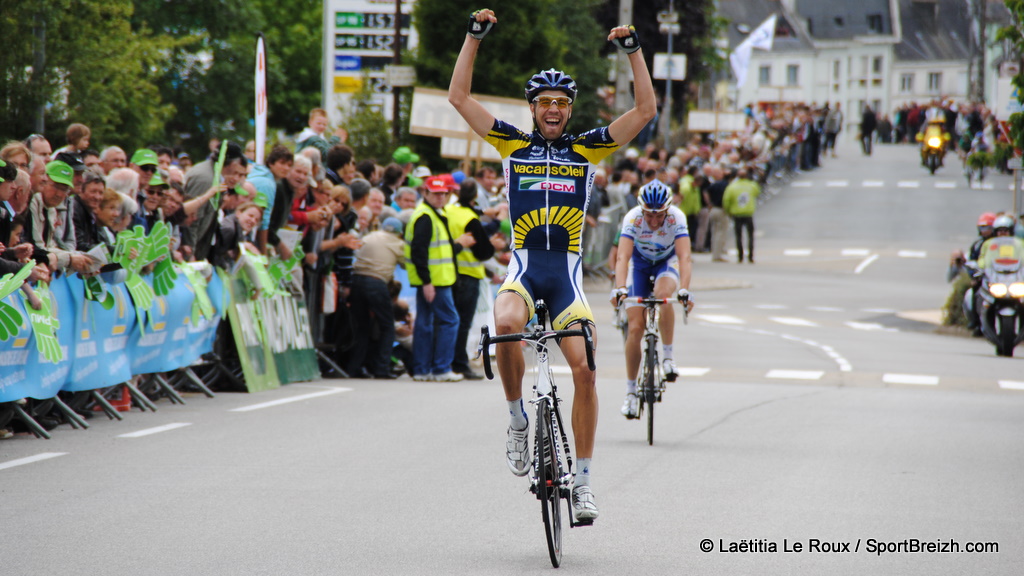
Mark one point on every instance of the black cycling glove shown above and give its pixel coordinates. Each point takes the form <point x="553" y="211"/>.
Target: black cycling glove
<point x="478" y="29"/>
<point x="628" y="44"/>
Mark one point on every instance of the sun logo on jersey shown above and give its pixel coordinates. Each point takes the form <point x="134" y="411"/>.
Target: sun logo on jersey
<point x="564" y="226"/>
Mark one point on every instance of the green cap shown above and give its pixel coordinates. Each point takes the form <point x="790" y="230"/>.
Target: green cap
<point x="413" y="182"/>
<point x="2" y="164"/>
<point x="241" y="191"/>
<point x="60" y="173"/>
<point x="261" y="200"/>
<point x="144" y="157"/>
<point x="157" y="180"/>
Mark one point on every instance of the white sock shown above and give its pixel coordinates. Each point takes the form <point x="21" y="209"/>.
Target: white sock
<point x="666" y="350"/>
<point x="630" y="386"/>
<point x="518" y="414"/>
<point x="582" y="472"/>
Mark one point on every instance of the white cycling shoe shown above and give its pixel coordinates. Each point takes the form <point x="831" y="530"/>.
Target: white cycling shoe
<point x="584" y="509"/>
<point x="631" y="406"/>
<point x="517" y="451"/>
<point x="669" y="367"/>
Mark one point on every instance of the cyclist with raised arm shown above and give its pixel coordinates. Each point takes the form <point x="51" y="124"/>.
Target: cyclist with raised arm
<point x="655" y="239"/>
<point x="549" y="174"/>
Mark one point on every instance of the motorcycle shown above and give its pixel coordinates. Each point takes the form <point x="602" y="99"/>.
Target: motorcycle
<point x="933" y="150"/>
<point x="999" y="299"/>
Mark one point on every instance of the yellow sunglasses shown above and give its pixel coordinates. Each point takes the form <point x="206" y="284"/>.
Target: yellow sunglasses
<point x="547" y="101"/>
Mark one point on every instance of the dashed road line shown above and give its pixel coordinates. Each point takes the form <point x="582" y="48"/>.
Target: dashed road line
<point x="865" y="263"/>
<point x="912" y="254"/>
<point x="914" y="379"/>
<point x="908" y="184"/>
<point x="873" y="183"/>
<point x="945" y="184"/>
<point x="855" y="252"/>
<point x="795" y="374"/>
<point x="31" y="459"/>
<point x="157" y="430"/>
<point x="720" y="319"/>
<point x="692" y="371"/>
<point x="878" y="310"/>
<point x="837" y="183"/>
<point x="793" y="321"/>
<point x="797" y="252"/>
<point x="771" y="306"/>
<point x="870" y="326"/>
<point x="1011" y="385"/>
<point x="804" y="184"/>
<point x="289" y="400"/>
<point x="825" y="309"/>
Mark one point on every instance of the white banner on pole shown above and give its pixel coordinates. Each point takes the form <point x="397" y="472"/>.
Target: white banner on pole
<point x="261" y="97"/>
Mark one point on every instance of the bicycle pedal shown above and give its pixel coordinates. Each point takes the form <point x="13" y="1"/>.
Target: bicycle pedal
<point x="580" y="523"/>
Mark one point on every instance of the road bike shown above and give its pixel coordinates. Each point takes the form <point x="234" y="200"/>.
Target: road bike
<point x="553" y="476"/>
<point x="651" y="376"/>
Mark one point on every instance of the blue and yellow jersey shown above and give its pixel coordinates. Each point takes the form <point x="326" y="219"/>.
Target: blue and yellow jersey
<point x="549" y="184"/>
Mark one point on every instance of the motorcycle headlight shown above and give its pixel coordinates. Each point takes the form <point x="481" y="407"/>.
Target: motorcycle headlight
<point x="998" y="290"/>
<point x="1017" y="289"/>
<point x="935" y="142"/>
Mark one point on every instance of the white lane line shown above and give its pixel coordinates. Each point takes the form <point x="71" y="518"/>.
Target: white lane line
<point x="299" y="398"/>
<point x="855" y="252"/>
<point x="712" y="306"/>
<point x="692" y="371"/>
<point x="912" y="254"/>
<point x="942" y="184"/>
<point x="801" y="184"/>
<point x="916" y="379"/>
<point x="793" y="321"/>
<point x="31" y="459"/>
<point x="157" y="430"/>
<point x="908" y="184"/>
<point x="797" y="252"/>
<point x="869" y="326"/>
<point x="795" y="374"/>
<point x="719" y="319"/>
<point x="865" y="263"/>
<point x="771" y="306"/>
<point x="1011" y="385"/>
<point x="837" y="183"/>
<point x="824" y="308"/>
<point x="873" y="184"/>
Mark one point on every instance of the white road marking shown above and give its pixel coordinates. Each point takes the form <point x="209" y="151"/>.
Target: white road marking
<point x="793" y="321"/>
<point x="713" y="306"/>
<point x="719" y="319"/>
<point x="795" y="374"/>
<point x="943" y="184"/>
<point x="797" y="252"/>
<point x="31" y="459"/>
<point x="692" y="371"/>
<point x="801" y="184"/>
<point x="912" y="254"/>
<point x="870" y="326"/>
<point x="908" y="184"/>
<point x="1011" y="385"/>
<point x="916" y="379"/>
<point x="289" y="400"/>
<point x="865" y="263"/>
<point x="156" y="430"/>
<point x="837" y="183"/>
<point x="824" y="309"/>
<point x="855" y="252"/>
<point x="771" y="306"/>
<point x="873" y="184"/>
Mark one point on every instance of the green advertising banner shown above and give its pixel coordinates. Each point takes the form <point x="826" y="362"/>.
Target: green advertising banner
<point x="250" y="336"/>
<point x="286" y="323"/>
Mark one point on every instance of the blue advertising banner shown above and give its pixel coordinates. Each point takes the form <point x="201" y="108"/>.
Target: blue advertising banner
<point x="48" y="376"/>
<point x="159" y="345"/>
<point x="14" y="352"/>
<point x="101" y="345"/>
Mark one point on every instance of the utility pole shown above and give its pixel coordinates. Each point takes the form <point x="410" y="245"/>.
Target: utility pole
<point x="622" y="69"/>
<point x="668" y="25"/>
<point x="396" y="92"/>
<point x="976" y="47"/>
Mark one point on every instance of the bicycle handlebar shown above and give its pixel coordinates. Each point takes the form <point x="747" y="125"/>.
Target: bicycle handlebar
<point x="538" y="336"/>
<point x="653" y="301"/>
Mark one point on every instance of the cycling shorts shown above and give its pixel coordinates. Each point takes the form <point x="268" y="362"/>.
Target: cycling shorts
<point x="646" y="273"/>
<point x="555" y="277"/>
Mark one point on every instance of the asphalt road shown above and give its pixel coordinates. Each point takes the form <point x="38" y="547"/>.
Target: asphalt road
<point x="813" y="413"/>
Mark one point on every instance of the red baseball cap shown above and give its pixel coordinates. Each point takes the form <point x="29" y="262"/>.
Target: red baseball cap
<point x="440" y="183"/>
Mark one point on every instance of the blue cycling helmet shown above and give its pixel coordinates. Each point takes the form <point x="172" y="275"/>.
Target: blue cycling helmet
<point x="654" y="196"/>
<point x="550" y="80"/>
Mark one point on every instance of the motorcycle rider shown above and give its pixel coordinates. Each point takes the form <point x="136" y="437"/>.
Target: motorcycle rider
<point x="957" y="259"/>
<point x="934" y="129"/>
<point x="989" y="251"/>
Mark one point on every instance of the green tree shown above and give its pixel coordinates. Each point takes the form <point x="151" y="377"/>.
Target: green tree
<point x="369" y="132"/>
<point x="1015" y="35"/>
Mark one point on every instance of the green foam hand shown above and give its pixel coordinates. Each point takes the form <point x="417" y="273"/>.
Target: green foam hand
<point x="158" y="243"/>
<point x="127" y="241"/>
<point x="10" y="319"/>
<point x="202" y="305"/>
<point x="279" y="269"/>
<point x="164" y="276"/>
<point x="96" y="290"/>
<point x="45" y="325"/>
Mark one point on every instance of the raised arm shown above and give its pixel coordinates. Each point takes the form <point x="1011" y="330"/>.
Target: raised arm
<point x="627" y="126"/>
<point x="478" y="118"/>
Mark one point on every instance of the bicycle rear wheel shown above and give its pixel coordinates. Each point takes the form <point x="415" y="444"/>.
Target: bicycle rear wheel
<point x="649" y="383"/>
<point x="549" y="483"/>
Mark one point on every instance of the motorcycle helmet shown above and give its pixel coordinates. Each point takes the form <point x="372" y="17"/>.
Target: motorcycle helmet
<point x="1003" y="222"/>
<point x="654" y="196"/>
<point x="550" y="80"/>
<point x="986" y="219"/>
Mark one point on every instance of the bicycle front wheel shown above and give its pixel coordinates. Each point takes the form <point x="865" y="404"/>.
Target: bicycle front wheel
<point x="649" y="383"/>
<point x="549" y="483"/>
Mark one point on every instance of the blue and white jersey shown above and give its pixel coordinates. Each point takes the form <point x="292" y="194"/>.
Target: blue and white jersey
<point x="654" y="245"/>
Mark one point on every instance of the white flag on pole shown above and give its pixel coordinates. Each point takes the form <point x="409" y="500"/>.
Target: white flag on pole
<point x="762" y="38"/>
<point x="261" y="97"/>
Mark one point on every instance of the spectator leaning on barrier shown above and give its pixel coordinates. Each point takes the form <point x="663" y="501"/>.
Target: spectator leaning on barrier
<point x="40" y="146"/>
<point x="199" y="181"/>
<point x="464" y="218"/>
<point x="341" y="165"/>
<point x="84" y="206"/>
<point x="144" y="163"/>
<point x="16" y="154"/>
<point x="48" y="225"/>
<point x="232" y="232"/>
<point x="430" y="263"/>
<point x="370" y="302"/>
<point x="265" y="178"/>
